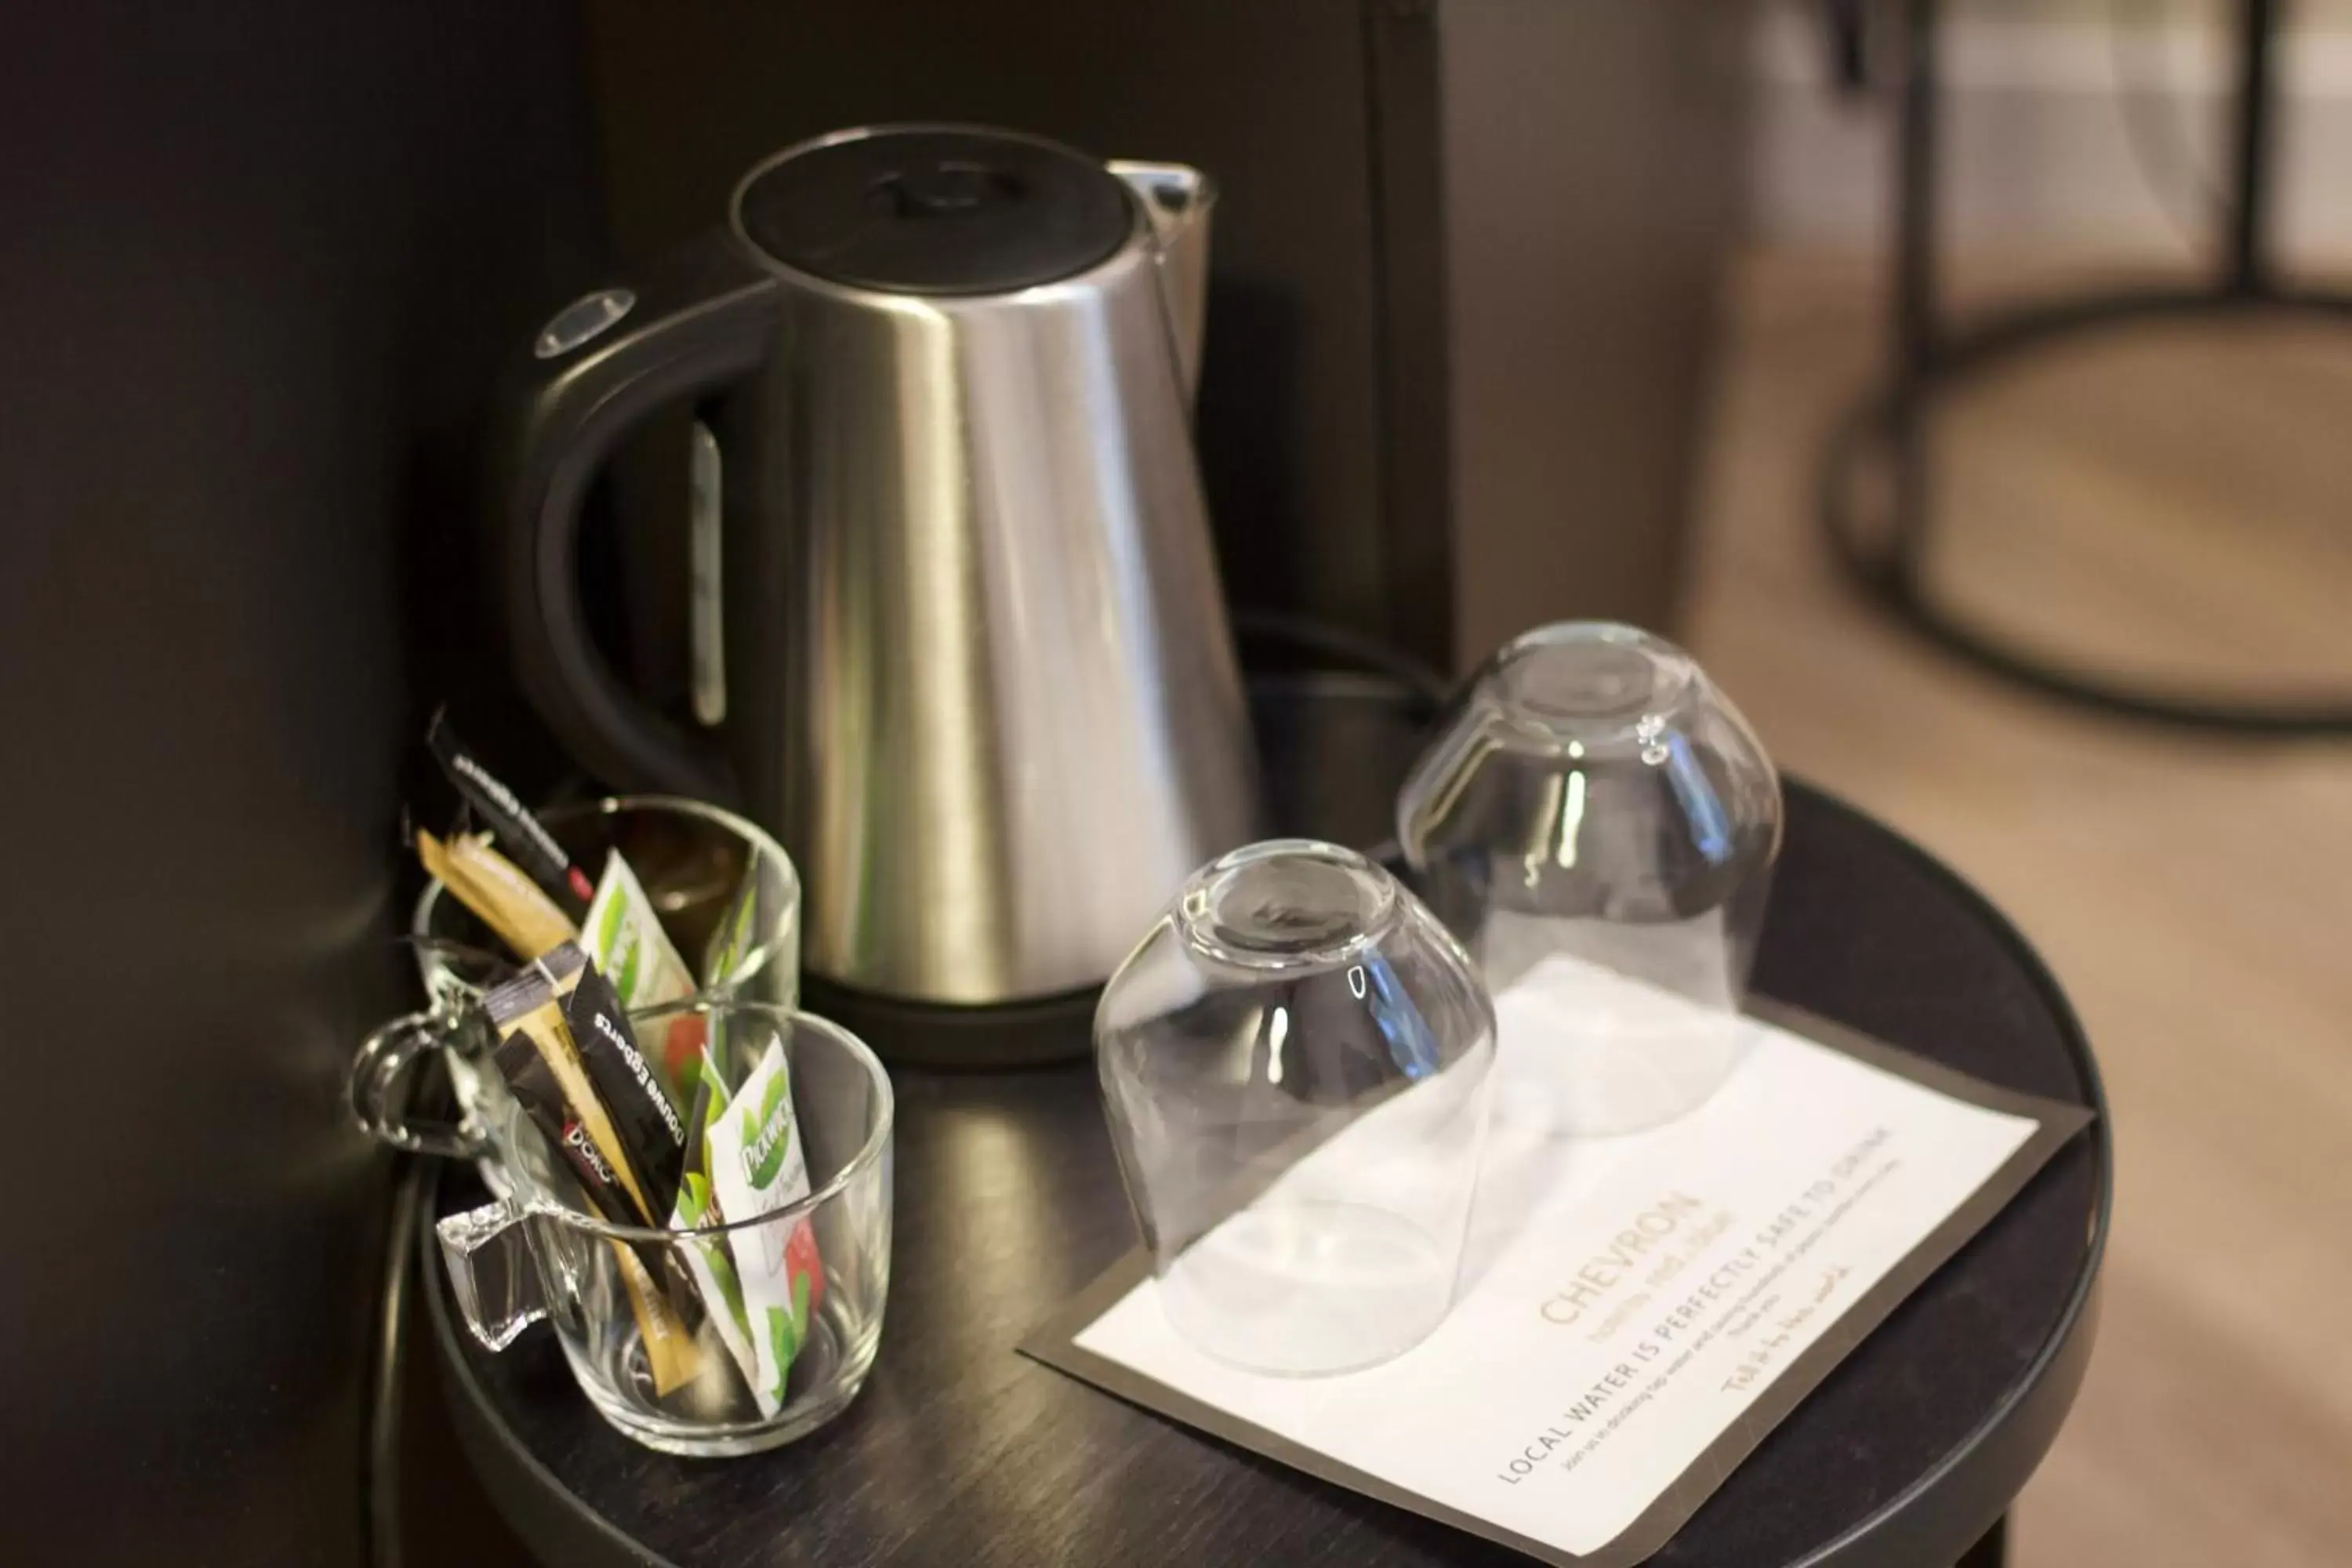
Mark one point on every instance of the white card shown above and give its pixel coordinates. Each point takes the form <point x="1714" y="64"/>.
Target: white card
<point x="1626" y="1304"/>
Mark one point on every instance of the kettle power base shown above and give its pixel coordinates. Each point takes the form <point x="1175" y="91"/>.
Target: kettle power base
<point x="1322" y="734"/>
<point x="1036" y="1033"/>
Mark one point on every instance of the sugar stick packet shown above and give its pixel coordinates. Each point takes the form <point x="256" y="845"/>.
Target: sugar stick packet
<point x="494" y="889"/>
<point x="624" y="938"/>
<point x="756" y="1168"/>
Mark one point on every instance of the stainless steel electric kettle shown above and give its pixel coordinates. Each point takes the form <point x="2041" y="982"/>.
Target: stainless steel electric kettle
<point x="977" y="673"/>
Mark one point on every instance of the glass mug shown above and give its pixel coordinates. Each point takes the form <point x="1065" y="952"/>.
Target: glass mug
<point x="776" y="1319"/>
<point x="689" y="857"/>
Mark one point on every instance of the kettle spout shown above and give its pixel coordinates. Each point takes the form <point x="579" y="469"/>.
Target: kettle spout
<point x="1177" y="200"/>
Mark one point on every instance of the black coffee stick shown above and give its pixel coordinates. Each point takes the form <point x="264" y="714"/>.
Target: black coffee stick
<point x="536" y="1057"/>
<point x="653" y="1135"/>
<point x="524" y="838"/>
<point x="541" y="1066"/>
<point x="542" y="1099"/>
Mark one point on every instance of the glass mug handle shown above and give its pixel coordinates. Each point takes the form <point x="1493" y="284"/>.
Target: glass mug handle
<point x="492" y="1272"/>
<point x="383" y="1060"/>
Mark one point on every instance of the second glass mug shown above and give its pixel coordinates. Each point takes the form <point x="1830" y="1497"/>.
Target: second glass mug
<point x="691" y="859"/>
<point x="786" y="1306"/>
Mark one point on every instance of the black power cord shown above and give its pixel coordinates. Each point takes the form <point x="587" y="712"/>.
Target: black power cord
<point x="1847" y="29"/>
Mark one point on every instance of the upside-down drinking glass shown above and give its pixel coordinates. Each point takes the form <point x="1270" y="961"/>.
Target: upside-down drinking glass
<point x="1295" y="1063"/>
<point x="1594" y="808"/>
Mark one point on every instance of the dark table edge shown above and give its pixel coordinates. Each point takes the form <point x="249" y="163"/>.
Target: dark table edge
<point x="1958" y="1501"/>
<point x="557" y="1526"/>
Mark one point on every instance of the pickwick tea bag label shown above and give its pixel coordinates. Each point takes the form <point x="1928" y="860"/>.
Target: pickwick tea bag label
<point x="1634" y="1313"/>
<point x="756" y="1168"/>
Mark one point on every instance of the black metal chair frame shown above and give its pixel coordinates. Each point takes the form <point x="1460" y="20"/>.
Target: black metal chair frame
<point x="1931" y="361"/>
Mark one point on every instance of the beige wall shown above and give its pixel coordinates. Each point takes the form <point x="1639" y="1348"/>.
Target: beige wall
<point x="2332" y="13"/>
<point x="2049" y="106"/>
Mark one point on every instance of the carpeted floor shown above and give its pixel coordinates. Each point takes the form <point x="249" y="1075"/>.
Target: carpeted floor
<point x="2174" y="501"/>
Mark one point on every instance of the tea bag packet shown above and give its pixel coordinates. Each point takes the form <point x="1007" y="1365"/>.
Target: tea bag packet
<point x="536" y="1057"/>
<point x="756" y="1168"/>
<point x="730" y="939"/>
<point x="497" y="891"/>
<point x="724" y="956"/>
<point x="710" y="1261"/>
<point x="624" y="938"/>
<point x="524" y="838"/>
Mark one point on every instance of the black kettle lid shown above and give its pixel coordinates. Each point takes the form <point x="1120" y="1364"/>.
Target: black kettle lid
<point x="935" y="209"/>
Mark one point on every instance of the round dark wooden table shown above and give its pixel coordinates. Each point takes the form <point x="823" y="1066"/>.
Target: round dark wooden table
<point x="961" y="1451"/>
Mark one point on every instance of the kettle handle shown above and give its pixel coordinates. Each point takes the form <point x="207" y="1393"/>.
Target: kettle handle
<point x="700" y="319"/>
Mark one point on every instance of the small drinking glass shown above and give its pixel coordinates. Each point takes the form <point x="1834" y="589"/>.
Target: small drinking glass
<point x="1295" y="1063"/>
<point x="540" y="1253"/>
<point x="1594" y="809"/>
<point x="693" y="860"/>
